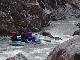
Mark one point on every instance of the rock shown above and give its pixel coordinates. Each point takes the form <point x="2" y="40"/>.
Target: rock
<point x="44" y="33"/>
<point x="47" y="40"/>
<point x="34" y="14"/>
<point x="76" y="32"/>
<point x="57" y="38"/>
<point x="19" y="56"/>
<point x="78" y="25"/>
<point x="69" y="50"/>
<point x="21" y="15"/>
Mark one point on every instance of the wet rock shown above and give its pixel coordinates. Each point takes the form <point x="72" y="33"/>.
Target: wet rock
<point x="19" y="56"/>
<point x="77" y="32"/>
<point x="69" y="50"/>
<point x="57" y="38"/>
<point x="44" y="33"/>
<point x="78" y="25"/>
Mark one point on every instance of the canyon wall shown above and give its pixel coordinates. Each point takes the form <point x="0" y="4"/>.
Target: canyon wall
<point x="21" y="15"/>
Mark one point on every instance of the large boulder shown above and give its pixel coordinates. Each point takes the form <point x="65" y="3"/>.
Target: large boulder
<point x="69" y="50"/>
<point x="19" y="56"/>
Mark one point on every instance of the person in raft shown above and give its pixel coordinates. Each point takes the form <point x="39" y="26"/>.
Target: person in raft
<point x="13" y="36"/>
<point x="30" y="38"/>
<point x="25" y="37"/>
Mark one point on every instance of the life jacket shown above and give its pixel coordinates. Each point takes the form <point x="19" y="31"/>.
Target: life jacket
<point x="14" y="35"/>
<point x="29" y="34"/>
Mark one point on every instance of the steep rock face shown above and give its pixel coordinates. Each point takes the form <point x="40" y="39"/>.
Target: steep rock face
<point x="74" y="3"/>
<point x="61" y="9"/>
<point x="19" y="15"/>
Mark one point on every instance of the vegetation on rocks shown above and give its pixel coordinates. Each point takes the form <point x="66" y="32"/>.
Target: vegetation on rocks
<point x="21" y="15"/>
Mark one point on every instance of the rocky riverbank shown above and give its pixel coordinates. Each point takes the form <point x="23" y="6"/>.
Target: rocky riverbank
<point x="68" y="50"/>
<point x="60" y="18"/>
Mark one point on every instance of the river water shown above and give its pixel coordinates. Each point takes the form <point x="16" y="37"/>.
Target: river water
<point x="63" y="29"/>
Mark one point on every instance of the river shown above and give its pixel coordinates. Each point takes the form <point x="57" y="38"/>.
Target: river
<point x="62" y="28"/>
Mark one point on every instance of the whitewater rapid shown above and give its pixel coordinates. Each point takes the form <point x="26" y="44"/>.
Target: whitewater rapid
<point x="63" y="29"/>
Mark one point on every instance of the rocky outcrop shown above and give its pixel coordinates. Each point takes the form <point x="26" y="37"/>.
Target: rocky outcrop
<point x="74" y="3"/>
<point x="21" y="15"/>
<point x="69" y="50"/>
<point x="19" y="56"/>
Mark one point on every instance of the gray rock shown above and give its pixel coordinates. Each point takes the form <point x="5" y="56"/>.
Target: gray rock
<point x="78" y="25"/>
<point x="69" y="50"/>
<point x="76" y="32"/>
<point x="19" y="56"/>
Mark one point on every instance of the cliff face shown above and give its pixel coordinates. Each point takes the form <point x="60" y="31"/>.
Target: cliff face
<point x="19" y="15"/>
<point x="61" y="9"/>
